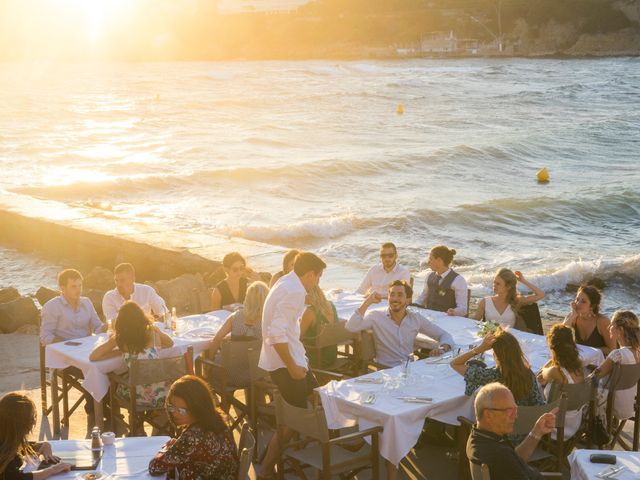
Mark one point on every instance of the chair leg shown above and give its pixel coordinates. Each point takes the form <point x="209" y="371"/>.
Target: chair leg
<point x="65" y="398"/>
<point x="375" y="458"/>
<point x="55" y="404"/>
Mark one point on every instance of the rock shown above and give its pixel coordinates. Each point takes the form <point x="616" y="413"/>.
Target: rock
<point x="19" y="312"/>
<point x="8" y="294"/>
<point x="211" y="279"/>
<point x="96" y="297"/>
<point x="44" y="294"/>
<point x="187" y="293"/>
<point x="99" y="278"/>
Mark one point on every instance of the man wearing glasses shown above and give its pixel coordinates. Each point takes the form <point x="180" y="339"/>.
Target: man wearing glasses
<point x="496" y="412"/>
<point x="380" y="276"/>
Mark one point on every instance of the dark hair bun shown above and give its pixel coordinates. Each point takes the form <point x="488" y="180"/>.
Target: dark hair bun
<point x="453" y="251"/>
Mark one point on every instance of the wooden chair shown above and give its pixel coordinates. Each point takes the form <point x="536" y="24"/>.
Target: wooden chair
<point x="334" y="334"/>
<point x="70" y="377"/>
<point x="230" y="373"/>
<point x="623" y="377"/>
<point x="579" y="398"/>
<point x="262" y="410"/>
<point x="366" y="353"/>
<point x="144" y="372"/>
<point x="246" y="446"/>
<point x="322" y="453"/>
<point x="530" y="314"/>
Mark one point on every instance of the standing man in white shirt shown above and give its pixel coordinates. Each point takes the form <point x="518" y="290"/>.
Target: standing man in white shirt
<point x="127" y="289"/>
<point x="445" y="290"/>
<point x="396" y="328"/>
<point x="380" y="276"/>
<point x="283" y="354"/>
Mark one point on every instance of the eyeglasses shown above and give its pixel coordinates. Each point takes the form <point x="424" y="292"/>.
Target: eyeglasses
<point x="181" y="411"/>
<point x="387" y="255"/>
<point x="237" y="269"/>
<point x="509" y="410"/>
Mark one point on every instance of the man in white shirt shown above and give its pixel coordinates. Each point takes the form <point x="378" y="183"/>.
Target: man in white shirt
<point x="127" y="289"/>
<point x="283" y="354"/>
<point x="380" y="276"/>
<point x="396" y="328"/>
<point x="69" y="315"/>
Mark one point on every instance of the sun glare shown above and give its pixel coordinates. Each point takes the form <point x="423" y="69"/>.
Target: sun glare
<point x="97" y="14"/>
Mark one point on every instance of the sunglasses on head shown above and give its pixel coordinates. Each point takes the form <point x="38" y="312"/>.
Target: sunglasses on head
<point x="179" y="410"/>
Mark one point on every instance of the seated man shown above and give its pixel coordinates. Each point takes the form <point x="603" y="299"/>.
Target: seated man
<point x="68" y="315"/>
<point x="496" y="413"/>
<point x="126" y="289"/>
<point x="445" y="290"/>
<point x="381" y="275"/>
<point x="396" y="328"/>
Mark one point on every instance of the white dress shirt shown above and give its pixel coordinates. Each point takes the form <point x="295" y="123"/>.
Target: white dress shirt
<point x="144" y="295"/>
<point x="394" y="343"/>
<point x="281" y="315"/>
<point x="459" y="286"/>
<point x="61" y="320"/>
<point x="378" y="279"/>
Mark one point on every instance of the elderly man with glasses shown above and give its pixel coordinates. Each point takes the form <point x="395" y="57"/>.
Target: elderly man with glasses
<point x="380" y="276"/>
<point x="496" y="412"/>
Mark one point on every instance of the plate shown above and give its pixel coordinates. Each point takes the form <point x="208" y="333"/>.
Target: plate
<point x="95" y="475"/>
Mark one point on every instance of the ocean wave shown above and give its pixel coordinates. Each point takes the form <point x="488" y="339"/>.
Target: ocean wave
<point x="320" y="228"/>
<point x="575" y="272"/>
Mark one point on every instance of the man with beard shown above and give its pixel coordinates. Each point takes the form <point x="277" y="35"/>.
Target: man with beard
<point x="395" y="329"/>
<point x="381" y="275"/>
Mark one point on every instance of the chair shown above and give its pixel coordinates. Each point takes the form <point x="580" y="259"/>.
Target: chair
<point x="246" y="446"/>
<point x="261" y="389"/>
<point x="144" y="372"/>
<point x="530" y="314"/>
<point x="322" y="453"/>
<point x="334" y="334"/>
<point x="366" y="353"/>
<point x="70" y="377"/>
<point x="229" y="373"/>
<point x="623" y="377"/>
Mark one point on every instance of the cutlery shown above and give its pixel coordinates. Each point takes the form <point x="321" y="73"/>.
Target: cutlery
<point x="368" y="398"/>
<point x="369" y="380"/>
<point x="610" y="472"/>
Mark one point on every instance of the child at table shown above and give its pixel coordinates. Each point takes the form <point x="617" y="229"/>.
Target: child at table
<point x="17" y="419"/>
<point x="136" y="337"/>
<point x="205" y="446"/>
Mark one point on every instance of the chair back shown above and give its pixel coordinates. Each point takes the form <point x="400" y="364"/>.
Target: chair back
<point x="530" y="314"/>
<point x="310" y="422"/>
<point x="578" y="394"/>
<point x="246" y="445"/>
<point x="479" y="472"/>
<point x="157" y="370"/>
<point x="528" y="416"/>
<point x="623" y="377"/>
<point x="332" y="334"/>
<point x="255" y="372"/>
<point x="234" y="354"/>
<point x="367" y="347"/>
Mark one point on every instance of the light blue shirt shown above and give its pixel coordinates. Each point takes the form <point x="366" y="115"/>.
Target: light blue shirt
<point x="61" y="320"/>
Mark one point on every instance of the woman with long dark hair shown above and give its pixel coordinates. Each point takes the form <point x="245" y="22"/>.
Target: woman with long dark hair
<point x="17" y="419"/>
<point x="512" y="369"/>
<point x="565" y="365"/>
<point x="204" y="447"/>
<point x="591" y="327"/>
<point x="503" y="307"/>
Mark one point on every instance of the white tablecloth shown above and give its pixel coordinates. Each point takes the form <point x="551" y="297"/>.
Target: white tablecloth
<point x="583" y="469"/>
<point x="198" y="333"/>
<point x="127" y="457"/>
<point x="402" y="421"/>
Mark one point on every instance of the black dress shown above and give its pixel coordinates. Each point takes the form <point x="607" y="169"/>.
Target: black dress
<point x="594" y="340"/>
<point x="226" y="297"/>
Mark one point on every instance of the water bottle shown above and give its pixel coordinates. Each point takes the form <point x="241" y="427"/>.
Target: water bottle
<point x="96" y="444"/>
<point x="167" y="320"/>
<point x="174" y="321"/>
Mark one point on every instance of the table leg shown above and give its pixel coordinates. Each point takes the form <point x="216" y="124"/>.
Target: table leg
<point x="55" y="403"/>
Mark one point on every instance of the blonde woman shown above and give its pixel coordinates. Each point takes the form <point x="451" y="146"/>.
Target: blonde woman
<point x="319" y="312"/>
<point x="503" y="306"/>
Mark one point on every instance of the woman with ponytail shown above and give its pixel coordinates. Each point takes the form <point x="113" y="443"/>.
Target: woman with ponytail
<point x="625" y="330"/>
<point x="445" y="290"/>
<point x="565" y="365"/>
<point x="503" y="306"/>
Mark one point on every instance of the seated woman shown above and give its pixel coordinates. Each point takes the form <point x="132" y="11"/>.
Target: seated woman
<point x="319" y="312"/>
<point x="287" y="266"/>
<point x="565" y="365"/>
<point x="135" y="337"/>
<point x="511" y="369"/>
<point x="590" y="326"/>
<point x="17" y="419"/>
<point x="231" y="291"/>
<point x="205" y="446"/>
<point x="502" y="308"/>
<point x="626" y="331"/>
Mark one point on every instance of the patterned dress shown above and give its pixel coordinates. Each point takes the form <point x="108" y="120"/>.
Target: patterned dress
<point x="477" y="376"/>
<point x="151" y="395"/>
<point x="197" y="455"/>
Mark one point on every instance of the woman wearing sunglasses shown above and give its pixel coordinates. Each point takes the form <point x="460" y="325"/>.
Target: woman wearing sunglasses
<point x="205" y="446"/>
<point x="231" y="291"/>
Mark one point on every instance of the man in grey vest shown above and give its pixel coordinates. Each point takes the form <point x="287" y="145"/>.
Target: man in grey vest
<point x="445" y="290"/>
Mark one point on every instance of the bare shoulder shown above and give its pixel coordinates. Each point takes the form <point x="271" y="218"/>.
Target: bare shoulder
<point x="603" y="322"/>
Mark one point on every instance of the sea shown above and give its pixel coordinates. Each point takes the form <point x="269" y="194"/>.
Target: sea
<point x="314" y="155"/>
